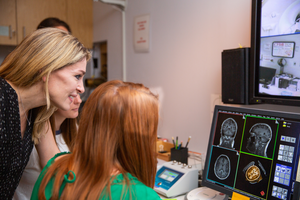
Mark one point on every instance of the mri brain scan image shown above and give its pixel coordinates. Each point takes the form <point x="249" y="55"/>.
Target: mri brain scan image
<point x="253" y="172"/>
<point x="259" y="139"/>
<point x="222" y="167"/>
<point x="228" y="132"/>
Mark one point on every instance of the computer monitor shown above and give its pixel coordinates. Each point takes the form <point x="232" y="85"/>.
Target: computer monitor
<point x="253" y="152"/>
<point x="275" y="40"/>
<point x="266" y="75"/>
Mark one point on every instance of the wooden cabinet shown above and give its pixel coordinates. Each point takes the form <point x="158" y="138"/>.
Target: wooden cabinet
<point x="80" y="19"/>
<point x="27" y="14"/>
<point x="31" y="12"/>
<point x="8" y="22"/>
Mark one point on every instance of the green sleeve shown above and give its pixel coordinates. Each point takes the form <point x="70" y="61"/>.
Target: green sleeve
<point x="152" y="195"/>
<point x="48" y="191"/>
<point x="35" y="191"/>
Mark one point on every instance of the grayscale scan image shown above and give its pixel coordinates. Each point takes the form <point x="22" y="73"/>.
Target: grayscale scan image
<point x="259" y="139"/>
<point x="229" y="129"/>
<point x="222" y="167"/>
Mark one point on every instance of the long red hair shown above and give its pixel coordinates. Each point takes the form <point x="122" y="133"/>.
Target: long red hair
<point x="117" y="130"/>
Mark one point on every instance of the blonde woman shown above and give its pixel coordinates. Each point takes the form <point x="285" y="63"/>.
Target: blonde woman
<point x="64" y="127"/>
<point x="43" y="73"/>
<point x="114" y="152"/>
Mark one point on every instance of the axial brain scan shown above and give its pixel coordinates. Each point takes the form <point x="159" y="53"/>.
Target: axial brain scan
<point x="253" y="174"/>
<point x="259" y="139"/>
<point x="222" y="167"/>
<point x="228" y="131"/>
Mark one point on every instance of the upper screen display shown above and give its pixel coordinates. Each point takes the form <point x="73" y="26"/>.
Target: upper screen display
<point x="279" y="48"/>
<point x="280" y="17"/>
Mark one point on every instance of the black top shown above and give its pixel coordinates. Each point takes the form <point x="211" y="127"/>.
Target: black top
<point x="14" y="150"/>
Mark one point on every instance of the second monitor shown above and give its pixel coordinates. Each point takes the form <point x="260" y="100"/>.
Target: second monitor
<point x="253" y="152"/>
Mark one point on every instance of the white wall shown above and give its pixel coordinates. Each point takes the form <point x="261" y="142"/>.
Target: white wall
<point x="184" y="63"/>
<point x="107" y="24"/>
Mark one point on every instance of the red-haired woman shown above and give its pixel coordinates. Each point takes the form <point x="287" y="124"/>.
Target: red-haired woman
<point x="114" y="152"/>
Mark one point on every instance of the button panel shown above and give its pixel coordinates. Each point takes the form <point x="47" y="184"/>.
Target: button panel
<point x="286" y="153"/>
<point x="282" y="174"/>
<point x="279" y="192"/>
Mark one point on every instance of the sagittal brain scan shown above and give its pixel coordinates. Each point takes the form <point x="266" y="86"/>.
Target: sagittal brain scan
<point x="228" y="132"/>
<point x="222" y="167"/>
<point x="259" y="139"/>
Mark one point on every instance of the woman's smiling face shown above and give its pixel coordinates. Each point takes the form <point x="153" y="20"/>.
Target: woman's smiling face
<point x="65" y="84"/>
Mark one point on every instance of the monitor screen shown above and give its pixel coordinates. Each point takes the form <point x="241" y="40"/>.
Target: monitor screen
<point x="168" y="175"/>
<point x="266" y="75"/>
<point x="275" y="43"/>
<point x="253" y="152"/>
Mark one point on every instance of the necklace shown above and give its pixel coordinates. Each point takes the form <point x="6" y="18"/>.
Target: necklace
<point x="23" y="107"/>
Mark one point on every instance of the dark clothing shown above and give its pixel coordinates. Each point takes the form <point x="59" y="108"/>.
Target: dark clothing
<point x="14" y="150"/>
<point x="58" y="132"/>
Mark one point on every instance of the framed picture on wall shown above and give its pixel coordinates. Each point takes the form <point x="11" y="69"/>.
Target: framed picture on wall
<point x="283" y="49"/>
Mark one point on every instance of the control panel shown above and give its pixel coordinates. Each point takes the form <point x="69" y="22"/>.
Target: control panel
<point x="175" y="178"/>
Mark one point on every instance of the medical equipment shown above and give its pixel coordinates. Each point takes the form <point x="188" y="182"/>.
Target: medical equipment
<point x="175" y="178"/>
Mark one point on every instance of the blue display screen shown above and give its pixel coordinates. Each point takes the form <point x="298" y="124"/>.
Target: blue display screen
<point x="168" y="175"/>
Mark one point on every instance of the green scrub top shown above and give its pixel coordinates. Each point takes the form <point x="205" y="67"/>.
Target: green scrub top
<point x="137" y="189"/>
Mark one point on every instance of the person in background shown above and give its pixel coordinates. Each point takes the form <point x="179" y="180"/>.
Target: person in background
<point x="114" y="152"/>
<point x="54" y="22"/>
<point x="42" y="73"/>
<point x="64" y="126"/>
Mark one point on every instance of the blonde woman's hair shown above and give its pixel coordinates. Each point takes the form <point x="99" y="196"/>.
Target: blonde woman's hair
<point x="37" y="56"/>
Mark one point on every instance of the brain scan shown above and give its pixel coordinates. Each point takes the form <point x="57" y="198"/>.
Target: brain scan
<point x="228" y="132"/>
<point x="253" y="174"/>
<point x="259" y="139"/>
<point x="222" y="167"/>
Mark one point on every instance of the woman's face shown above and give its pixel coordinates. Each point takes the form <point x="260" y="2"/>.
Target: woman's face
<point x="73" y="111"/>
<point x="62" y="28"/>
<point x="65" y="84"/>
